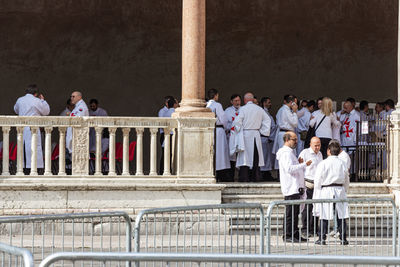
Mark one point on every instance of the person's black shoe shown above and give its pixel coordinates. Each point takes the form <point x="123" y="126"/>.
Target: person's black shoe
<point x="320" y="242"/>
<point x="302" y="239"/>
<point x="344" y="242"/>
<point x="306" y="235"/>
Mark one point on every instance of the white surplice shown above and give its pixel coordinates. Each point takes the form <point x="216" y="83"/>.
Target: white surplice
<point x="222" y="161"/>
<point x="29" y="105"/>
<point x="331" y="171"/>
<point x="253" y="120"/>
<point x="230" y="114"/>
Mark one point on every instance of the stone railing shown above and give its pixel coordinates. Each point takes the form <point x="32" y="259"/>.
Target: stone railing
<point x="190" y="149"/>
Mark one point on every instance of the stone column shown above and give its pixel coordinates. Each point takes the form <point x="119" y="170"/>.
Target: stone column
<point x="99" y="131"/>
<point x="20" y="150"/>
<point x="193" y="60"/>
<point x="125" y="151"/>
<point x="61" y="155"/>
<point x="111" y="152"/>
<point x="139" y="151"/>
<point x="395" y="131"/>
<point x="6" y="151"/>
<point x="47" y="151"/>
<point x="34" y="144"/>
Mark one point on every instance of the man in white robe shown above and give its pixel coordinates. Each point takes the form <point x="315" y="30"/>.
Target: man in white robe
<point x="231" y="113"/>
<point x="304" y="124"/>
<point x="268" y="142"/>
<point x="32" y="104"/>
<point x="291" y="175"/>
<point x="253" y="121"/>
<point x="332" y="182"/>
<point x="80" y="110"/>
<point x="222" y="162"/>
<point x="68" y="109"/>
<point x="286" y="120"/>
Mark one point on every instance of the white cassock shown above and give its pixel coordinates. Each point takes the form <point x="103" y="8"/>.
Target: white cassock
<point x="29" y="105"/>
<point x="92" y="133"/>
<point x="80" y="110"/>
<point x="253" y="121"/>
<point x="285" y="120"/>
<point x="302" y="125"/>
<point x="230" y="114"/>
<point x="331" y="171"/>
<point x="267" y="144"/>
<point x="222" y="161"/>
<point x="349" y="129"/>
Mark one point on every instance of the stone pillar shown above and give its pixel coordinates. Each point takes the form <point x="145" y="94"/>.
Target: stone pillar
<point x="6" y="151"/>
<point x="111" y="152"/>
<point x="395" y="131"/>
<point x="125" y="151"/>
<point x="80" y="151"/>
<point x="139" y="151"/>
<point x="193" y="60"/>
<point x="47" y="150"/>
<point x="61" y="155"/>
<point x="99" y="131"/>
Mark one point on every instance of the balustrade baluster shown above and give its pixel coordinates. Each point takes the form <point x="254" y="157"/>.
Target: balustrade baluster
<point x="167" y="153"/>
<point x="34" y="143"/>
<point x="125" y="153"/>
<point x="111" y="151"/>
<point x="153" y="151"/>
<point x="139" y="151"/>
<point x="99" y="131"/>
<point x="47" y="151"/>
<point x="20" y="149"/>
<point x="6" y="154"/>
<point x="61" y="151"/>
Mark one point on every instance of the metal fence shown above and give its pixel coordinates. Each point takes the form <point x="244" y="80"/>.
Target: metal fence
<point x="14" y="256"/>
<point x="178" y="259"/>
<point x="43" y="235"/>
<point x="371" y="228"/>
<point x="226" y="228"/>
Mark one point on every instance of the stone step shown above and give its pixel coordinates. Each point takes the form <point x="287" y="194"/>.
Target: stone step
<point x="275" y="188"/>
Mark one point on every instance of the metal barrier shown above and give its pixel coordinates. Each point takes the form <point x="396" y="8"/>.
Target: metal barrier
<point x="16" y="256"/>
<point x="226" y="228"/>
<point x="46" y="234"/>
<point x="371" y="228"/>
<point x="217" y="259"/>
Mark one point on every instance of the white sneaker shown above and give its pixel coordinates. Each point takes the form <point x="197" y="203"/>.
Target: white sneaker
<point x="334" y="234"/>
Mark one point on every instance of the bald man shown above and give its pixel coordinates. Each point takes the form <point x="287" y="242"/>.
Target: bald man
<point x="253" y="121"/>
<point x="315" y="156"/>
<point x="80" y="110"/>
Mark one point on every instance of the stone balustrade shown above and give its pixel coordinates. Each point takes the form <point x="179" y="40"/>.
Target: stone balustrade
<point x="191" y="147"/>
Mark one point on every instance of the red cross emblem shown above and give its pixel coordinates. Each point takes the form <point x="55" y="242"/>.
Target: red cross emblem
<point x="347" y="126"/>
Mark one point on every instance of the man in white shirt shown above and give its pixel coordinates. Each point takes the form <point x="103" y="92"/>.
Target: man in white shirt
<point x="286" y="120"/>
<point x="231" y="113"/>
<point x="332" y="182"/>
<point x="312" y="153"/>
<point x="252" y="121"/>
<point x="304" y="124"/>
<point x="291" y="174"/>
<point x="80" y="110"/>
<point x="268" y="142"/>
<point x="222" y="163"/>
<point x="32" y="104"/>
<point x="389" y="107"/>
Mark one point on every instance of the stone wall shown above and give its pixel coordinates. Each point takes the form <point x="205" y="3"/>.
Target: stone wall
<point x="127" y="53"/>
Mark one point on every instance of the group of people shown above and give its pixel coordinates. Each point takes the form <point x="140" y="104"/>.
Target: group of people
<point x="256" y="161"/>
<point x="33" y="103"/>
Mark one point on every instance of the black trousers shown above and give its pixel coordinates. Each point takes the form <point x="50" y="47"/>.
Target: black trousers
<point x="245" y="175"/>
<point x="292" y="218"/>
<point x="324" y="146"/>
<point x="310" y="223"/>
<point x="341" y="227"/>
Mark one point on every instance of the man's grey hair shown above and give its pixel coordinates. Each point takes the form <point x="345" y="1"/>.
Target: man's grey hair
<point x="334" y="141"/>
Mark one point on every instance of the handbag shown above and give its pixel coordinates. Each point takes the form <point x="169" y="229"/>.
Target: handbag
<point x="311" y="133"/>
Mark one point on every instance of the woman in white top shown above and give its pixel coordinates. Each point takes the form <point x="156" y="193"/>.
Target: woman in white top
<point x="326" y="127"/>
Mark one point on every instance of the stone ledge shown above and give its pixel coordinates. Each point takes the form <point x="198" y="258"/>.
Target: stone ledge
<point x="108" y="184"/>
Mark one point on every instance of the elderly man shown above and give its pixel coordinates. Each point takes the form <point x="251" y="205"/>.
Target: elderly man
<point x="32" y="104"/>
<point x="332" y="182"/>
<point x="286" y="120"/>
<point x="291" y="174"/>
<point x="80" y="110"/>
<point x="312" y="153"/>
<point x="252" y="121"/>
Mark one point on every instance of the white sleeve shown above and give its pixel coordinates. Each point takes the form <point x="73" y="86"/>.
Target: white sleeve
<point x="265" y="125"/>
<point x="301" y="112"/>
<point x="334" y="120"/>
<point x="221" y="116"/>
<point x="288" y="168"/>
<point x="292" y="118"/>
<point x="238" y="122"/>
<point x="16" y="108"/>
<point x="43" y="107"/>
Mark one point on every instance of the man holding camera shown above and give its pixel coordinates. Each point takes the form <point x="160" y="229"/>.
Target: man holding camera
<point x="291" y="174"/>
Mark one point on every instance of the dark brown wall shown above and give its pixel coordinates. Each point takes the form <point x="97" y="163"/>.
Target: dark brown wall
<point x="127" y="53"/>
